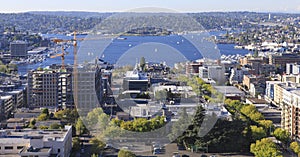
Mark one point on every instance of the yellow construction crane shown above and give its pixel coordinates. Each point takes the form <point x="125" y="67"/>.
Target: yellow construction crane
<point x="62" y="55"/>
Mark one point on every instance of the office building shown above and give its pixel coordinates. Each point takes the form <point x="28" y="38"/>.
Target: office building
<point x="89" y="88"/>
<point x="36" y="143"/>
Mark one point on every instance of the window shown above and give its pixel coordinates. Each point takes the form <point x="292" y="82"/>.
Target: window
<point x="8" y="147"/>
<point x="20" y="147"/>
<point x="58" y="150"/>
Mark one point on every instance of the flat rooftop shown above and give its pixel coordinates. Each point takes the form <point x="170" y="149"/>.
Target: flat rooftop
<point x="257" y="101"/>
<point x="228" y="90"/>
<point x="25" y="134"/>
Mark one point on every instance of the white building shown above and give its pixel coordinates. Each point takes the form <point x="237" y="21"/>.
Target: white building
<point x="214" y="72"/>
<point x="237" y="75"/>
<point x="292" y="68"/>
<point x="36" y="143"/>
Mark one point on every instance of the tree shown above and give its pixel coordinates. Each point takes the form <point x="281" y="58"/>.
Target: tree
<point x="54" y="126"/>
<point x="76" y="144"/>
<point x="281" y="135"/>
<point x="257" y="132"/>
<point x="251" y="112"/>
<point x="43" y="127"/>
<point x="295" y="147"/>
<point x="80" y="127"/>
<point x="161" y="95"/>
<point x="97" y="145"/>
<point x="125" y="153"/>
<point x="179" y="126"/>
<point x="32" y="123"/>
<point x="142" y="63"/>
<point x="42" y="117"/>
<point x="267" y="125"/>
<point x="265" y="148"/>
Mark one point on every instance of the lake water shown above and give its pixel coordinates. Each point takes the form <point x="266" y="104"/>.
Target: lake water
<point x="173" y="48"/>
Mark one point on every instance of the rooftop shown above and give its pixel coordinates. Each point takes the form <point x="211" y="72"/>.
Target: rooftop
<point x="24" y="134"/>
<point x="228" y="90"/>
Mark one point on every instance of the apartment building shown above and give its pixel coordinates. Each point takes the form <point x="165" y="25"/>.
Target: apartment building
<point x="42" y="88"/>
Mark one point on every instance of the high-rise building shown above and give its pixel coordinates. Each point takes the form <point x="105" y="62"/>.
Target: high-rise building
<point x="42" y="88"/>
<point x="18" y="49"/>
<point x="89" y="88"/>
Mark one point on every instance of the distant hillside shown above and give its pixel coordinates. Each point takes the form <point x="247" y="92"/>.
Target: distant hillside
<point x="81" y="14"/>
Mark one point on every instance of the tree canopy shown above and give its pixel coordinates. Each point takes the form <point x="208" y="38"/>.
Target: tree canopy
<point x="265" y="148"/>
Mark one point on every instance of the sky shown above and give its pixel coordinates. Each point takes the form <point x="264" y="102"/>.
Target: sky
<point x="13" y="6"/>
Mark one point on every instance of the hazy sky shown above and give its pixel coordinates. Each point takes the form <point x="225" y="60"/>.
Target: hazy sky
<point x="125" y="5"/>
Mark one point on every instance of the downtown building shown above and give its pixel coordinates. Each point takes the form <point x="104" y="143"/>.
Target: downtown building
<point x="51" y="88"/>
<point x="36" y="143"/>
<point x="89" y="94"/>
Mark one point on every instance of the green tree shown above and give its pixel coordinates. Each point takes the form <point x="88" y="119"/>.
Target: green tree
<point x="96" y="145"/>
<point x="180" y="126"/>
<point x="43" y="127"/>
<point x="42" y="117"/>
<point x="32" y="123"/>
<point x="161" y="95"/>
<point x="295" y="147"/>
<point x="267" y="125"/>
<point x="45" y="111"/>
<point x="281" y="135"/>
<point x="125" y="153"/>
<point x="257" y="132"/>
<point x="80" y="127"/>
<point x="54" y="126"/>
<point x="142" y="63"/>
<point x="251" y="112"/>
<point x="94" y="155"/>
<point x="265" y="148"/>
<point x="76" y="144"/>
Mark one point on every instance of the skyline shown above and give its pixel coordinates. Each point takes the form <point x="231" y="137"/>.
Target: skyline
<point x="16" y="6"/>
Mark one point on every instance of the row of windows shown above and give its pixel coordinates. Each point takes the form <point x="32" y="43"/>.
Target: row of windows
<point x="11" y="147"/>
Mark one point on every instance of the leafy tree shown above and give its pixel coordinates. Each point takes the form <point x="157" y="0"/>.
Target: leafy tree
<point x="257" y="132"/>
<point x="265" y="148"/>
<point x="32" y="123"/>
<point x="80" y="127"/>
<point x="54" y="126"/>
<point x="161" y="95"/>
<point x="69" y="115"/>
<point x="267" y="125"/>
<point x="42" y="117"/>
<point x="125" y="153"/>
<point x="97" y="145"/>
<point x="45" y="111"/>
<point x="142" y="63"/>
<point x="94" y="155"/>
<point x="179" y="126"/>
<point x="251" y="112"/>
<point x="295" y="147"/>
<point x="281" y="135"/>
<point x="76" y="144"/>
<point x="43" y="127"/>
<point x="91" y="117"/>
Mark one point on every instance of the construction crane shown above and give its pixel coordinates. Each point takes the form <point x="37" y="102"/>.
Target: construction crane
<point x="75" y="70"/>
<point x="62" y="55"/>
